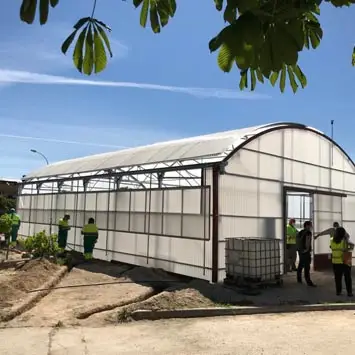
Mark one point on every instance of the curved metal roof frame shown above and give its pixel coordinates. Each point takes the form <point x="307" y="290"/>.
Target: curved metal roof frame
<point x="300" y="126"/>
<point x="187" y="153"/>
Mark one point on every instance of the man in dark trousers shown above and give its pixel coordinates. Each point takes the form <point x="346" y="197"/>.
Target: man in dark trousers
<point x="304" y="248"/>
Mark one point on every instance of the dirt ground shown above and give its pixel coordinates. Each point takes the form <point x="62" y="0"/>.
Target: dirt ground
<point x="101" y="293"/>
<point x="15" y="284"/>
<point x="12" y="255"/>
<point x="73" y="306"/>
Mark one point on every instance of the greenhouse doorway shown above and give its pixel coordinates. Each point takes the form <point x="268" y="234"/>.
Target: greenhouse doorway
<point x="299" y="205"/>
<point x="323" y="208"/>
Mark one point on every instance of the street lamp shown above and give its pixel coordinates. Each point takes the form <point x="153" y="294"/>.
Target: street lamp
<point x="45" y="158"/>
<point x="42" y="155"/>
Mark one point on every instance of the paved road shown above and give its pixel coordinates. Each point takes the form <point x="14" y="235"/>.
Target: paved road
<point x="312" y="333"/>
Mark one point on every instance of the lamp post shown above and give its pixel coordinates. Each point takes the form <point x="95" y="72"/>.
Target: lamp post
<point x="41" y="154"/>
<point x="47" y="162"/>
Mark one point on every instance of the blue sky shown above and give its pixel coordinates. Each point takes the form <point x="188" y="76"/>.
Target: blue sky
<point x="50" y="118"/>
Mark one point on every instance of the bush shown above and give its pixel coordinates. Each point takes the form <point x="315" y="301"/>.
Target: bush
<point x="5" y="224"/>
<point x="40" y="245"/>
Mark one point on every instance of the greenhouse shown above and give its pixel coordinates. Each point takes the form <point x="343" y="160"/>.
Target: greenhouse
<point x="172" y="205"/>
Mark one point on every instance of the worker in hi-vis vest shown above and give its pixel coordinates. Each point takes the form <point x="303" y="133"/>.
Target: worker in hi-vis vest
<point x="16" y="223"/>
<point x="63" y="228"/>
<point x="291" y="234"/>
<point x="342" y="260"/>
<point x="91" y="234"/>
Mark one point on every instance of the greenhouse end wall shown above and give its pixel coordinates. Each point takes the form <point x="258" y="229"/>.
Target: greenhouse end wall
<point x="164" y="228"/>
<point x="251" y="189"/>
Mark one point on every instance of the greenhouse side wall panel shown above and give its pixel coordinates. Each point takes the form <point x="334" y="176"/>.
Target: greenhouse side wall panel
<point x="169" y="227"/>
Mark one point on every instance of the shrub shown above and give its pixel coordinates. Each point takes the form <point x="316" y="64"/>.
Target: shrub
<point x="5" y="224"/>
<point x="41" y="244"/>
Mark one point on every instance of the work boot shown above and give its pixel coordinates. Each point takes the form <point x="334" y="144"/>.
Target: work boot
<point x="311" y="284"/>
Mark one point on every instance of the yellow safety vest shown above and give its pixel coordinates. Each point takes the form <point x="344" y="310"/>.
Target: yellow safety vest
<point x="291" y="234"/>
<point x="15" y="219"/>
<point x="90" y="229"/>
<point x="63" y="224"/>
<point x="338" y="251"/>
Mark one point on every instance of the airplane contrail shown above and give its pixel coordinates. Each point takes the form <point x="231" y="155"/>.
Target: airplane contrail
<point x="24" y="77"/>
<point x="53" y="140"/>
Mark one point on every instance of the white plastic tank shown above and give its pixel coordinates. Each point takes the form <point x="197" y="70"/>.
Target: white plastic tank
<point x="253" y="259"/>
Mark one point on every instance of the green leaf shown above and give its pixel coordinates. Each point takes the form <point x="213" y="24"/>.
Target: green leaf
<point x="54" y="3"/>
<point x="300" y="76"/>
<point x="66" y="44"/>
<point x="219" y="4"/>
<point x="88" y="62"/>
<point x="253" y="79"/>
<point x="353" y="57"/>
<point x="222" y="37"/>
<point x="163" y="14"/>
<point x="106" y="27"/>
<point x="28" y="11"/>
<point x="273" y="78"/>
<point x="225" y="58"/>
<point x="259" y="75"/>
<point x="172" y="5"/>
<point x="78" y="50"/>
<point x="154" y="20"/>
<point x="81" y="22"/>
<point x="283" y="78"/>
<point x="144" y="13"/>
<point x="291" y="77"/>
<point x="100" y="59"/>
<point x="43" y="11"/>
<point x="230" y="12"/>
<point x="243" y="83"/>
<point x="105" y="38"/>
<point x="137" y="3"/>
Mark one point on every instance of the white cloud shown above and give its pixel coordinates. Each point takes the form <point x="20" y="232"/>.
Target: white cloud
<point x="27" y="77"/>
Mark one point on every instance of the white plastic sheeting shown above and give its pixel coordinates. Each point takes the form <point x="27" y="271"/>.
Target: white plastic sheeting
<point x="188" y="149"/>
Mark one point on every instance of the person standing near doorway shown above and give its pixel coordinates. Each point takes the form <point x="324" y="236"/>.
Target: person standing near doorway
<point x="340" y="247"/>
<point x="304" y="248"/>
<point x="331" y="232"/>
<point x="291" y="234"/>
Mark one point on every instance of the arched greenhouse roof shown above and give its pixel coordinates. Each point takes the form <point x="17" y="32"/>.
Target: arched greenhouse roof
<point x="189" y="151"/>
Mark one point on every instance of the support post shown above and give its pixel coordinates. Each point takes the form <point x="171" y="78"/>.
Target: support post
<point x="215" y="222"/>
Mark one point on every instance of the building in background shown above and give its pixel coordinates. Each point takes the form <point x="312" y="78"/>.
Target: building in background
<point x="171" y="205"/>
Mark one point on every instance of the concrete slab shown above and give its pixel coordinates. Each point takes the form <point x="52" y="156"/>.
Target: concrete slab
<point x="244" y="335"/>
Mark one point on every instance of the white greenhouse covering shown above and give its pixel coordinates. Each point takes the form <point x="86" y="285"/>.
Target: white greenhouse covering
<point x="173" y="204"/>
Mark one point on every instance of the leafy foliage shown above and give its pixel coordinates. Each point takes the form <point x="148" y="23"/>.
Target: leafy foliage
<point x="6" y="203"/>
<point x="5" y="224"/>
<point x="262" y="38"/>
<point x="40" y="245"/>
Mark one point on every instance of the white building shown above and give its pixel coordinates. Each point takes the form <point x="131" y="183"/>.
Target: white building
<point x="171" y="205"/>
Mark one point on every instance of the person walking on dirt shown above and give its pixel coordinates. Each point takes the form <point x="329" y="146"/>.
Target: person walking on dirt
<point x="341" y="260"/>
<point x="16" y="223"/>
<point x="91" y="234"/>
<point x="63" y="228"/>
<point x="304" y="248"/>
<point x="291" y="234"/>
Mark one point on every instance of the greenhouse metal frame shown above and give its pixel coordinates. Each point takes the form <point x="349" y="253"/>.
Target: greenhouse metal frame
<point x="171" y="205"/>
